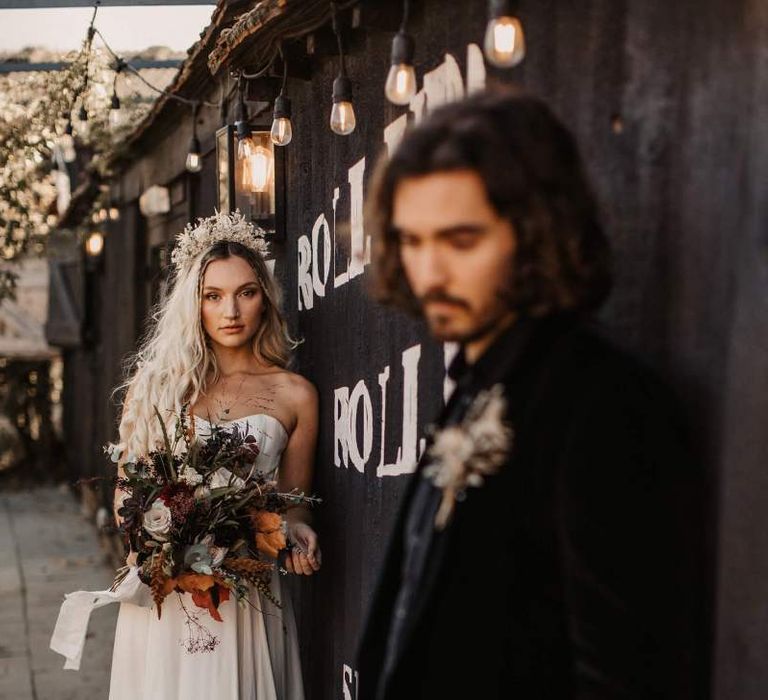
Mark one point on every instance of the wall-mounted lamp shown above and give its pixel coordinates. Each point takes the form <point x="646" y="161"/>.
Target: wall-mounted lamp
<point x="246" y="168"/>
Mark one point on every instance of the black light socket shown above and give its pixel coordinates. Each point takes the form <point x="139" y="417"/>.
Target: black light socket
<point x="241" y="119"/>
<point x="243" y="130"/>
<point x="403" y="48"/>
<point x="282" y="107"/>
<point x="499" y="8"/>
<point x="342" y="89"/>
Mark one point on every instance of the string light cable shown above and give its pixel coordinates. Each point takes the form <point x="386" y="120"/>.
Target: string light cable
<point x="165" y="93"/>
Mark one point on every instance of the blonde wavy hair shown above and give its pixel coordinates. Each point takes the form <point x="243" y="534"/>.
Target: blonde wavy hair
<point x="175" y="364"/>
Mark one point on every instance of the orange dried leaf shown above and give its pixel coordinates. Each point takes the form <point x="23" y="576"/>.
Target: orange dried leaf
<point x="223" y="594"/>
<point x="203" y="599"/>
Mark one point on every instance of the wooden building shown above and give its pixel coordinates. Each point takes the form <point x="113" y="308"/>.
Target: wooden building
<point x="669" y="102"/>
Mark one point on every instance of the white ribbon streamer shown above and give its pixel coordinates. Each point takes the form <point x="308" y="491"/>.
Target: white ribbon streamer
<point x="68" y="637"/>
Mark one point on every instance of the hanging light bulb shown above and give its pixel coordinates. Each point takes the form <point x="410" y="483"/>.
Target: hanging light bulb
<point x="401" y="80"/>
<point x="504" y="38"/>
<point x="94" y="244"/>
<point x="83" y="127"/>
<point x="114" y="214"/>
<point x="116" y="115"/>
<point x="194" y="162"/>
<point x="400" y="86"/>
<point x="67" y="144"/>
<point x="194" y="157"/>
<point x="282" y="131"/>
<point x="244" y="148"/>
<point x="343" y="113"/>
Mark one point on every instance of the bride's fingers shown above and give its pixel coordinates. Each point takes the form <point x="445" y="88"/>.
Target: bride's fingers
<point x="302" y="565"/>
<point x="314" y="559"/>
<point x="300" y="562"/>
<point x="313" y="551"/>
<point x="306" y="567"/>
<point x="295" y="559"/>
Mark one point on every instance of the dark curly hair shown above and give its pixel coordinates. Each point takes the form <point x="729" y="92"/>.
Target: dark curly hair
<point x="533" y="176"/>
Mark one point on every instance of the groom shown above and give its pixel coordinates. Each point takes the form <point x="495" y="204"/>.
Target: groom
<point x="558" y="554"/>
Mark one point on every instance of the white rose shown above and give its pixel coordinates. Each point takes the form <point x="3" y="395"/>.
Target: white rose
<point x="157" y="520"/>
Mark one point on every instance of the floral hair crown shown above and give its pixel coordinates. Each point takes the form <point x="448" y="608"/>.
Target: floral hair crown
<point x="203" y="235"/>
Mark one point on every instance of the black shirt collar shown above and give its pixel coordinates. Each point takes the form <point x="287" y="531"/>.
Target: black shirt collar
<point x="496" y="362"/>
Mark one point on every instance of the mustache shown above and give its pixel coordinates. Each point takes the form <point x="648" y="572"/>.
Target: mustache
<point x="438" y="295"/>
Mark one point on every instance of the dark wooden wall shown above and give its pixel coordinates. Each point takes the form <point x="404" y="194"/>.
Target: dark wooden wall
<point x="669" y="101"/>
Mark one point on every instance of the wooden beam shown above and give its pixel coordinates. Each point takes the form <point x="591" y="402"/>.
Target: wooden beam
<point x="40" y="4"/>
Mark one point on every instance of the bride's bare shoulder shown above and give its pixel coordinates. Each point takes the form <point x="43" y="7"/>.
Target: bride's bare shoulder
<point x="299" y="389"/>
<point x="296" y="382"/>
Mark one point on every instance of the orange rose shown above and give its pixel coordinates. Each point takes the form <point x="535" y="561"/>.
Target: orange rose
<point x="269" y="532"/>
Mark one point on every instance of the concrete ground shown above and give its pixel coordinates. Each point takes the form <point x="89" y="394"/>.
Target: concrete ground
<point x="47" y="549"/>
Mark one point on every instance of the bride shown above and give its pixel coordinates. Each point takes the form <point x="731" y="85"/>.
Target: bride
<point x="220" y="347"/>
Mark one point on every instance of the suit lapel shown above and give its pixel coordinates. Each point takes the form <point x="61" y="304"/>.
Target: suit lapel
<point x="507" y="368"/>
<point x="377" y="623"/>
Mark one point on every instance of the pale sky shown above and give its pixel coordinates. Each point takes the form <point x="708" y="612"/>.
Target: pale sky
<point x="125" y="28"/>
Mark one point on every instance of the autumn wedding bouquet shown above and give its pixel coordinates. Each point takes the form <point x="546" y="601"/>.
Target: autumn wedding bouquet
<point x="203" y="520"/>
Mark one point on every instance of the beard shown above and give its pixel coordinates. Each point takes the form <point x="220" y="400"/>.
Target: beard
<point x="474" y="326"/>
<point x="440" y="328"/>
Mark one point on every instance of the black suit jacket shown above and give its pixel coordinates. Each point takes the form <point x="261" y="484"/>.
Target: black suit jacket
<point x="576" y="571"/>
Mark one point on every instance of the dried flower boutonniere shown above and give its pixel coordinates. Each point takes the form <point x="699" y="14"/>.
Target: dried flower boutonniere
<point x="463" y="455"/>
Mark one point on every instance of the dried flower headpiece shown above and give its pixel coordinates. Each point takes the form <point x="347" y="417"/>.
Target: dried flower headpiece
<point x="203" y="235"/>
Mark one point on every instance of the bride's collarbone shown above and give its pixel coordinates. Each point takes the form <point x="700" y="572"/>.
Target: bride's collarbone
<point x="247" y="394"/>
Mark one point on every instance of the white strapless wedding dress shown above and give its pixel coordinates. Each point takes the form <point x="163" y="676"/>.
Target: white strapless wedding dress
<point x="257" y="657"/>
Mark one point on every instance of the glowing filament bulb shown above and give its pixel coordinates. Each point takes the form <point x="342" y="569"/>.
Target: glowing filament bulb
<point x="255" y="166"/>
<point x="401" y="84"/>
<point x="343" y="118"/>
<point x="504" y="41"/>
<point x="282" y="131"/>
<point x="194" y="162"/>
<point x="94" y="244"/>
<point x="342" y="113"/>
